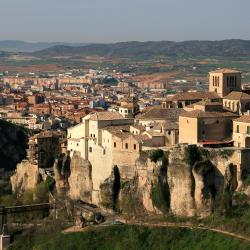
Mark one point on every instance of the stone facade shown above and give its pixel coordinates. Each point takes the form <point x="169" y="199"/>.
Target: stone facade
<point x="224" y="81"/>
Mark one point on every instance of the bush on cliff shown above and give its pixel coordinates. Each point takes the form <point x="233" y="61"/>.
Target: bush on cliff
<point x="192" y="154"/>
<point x="159" y="155"/>
<point x="160" y="196"/>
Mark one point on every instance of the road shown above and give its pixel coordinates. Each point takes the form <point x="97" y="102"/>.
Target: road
<point x="163" y="224"/>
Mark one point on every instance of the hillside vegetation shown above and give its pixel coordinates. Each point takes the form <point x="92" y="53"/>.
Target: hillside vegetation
<point x="128" y="237"/>
<point x="151" y="49"/>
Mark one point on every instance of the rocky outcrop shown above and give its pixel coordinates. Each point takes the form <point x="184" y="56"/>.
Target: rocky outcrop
<point x="80" y="179"/>
<point x="149" y="174"/>
<point x="13" y="145"/>
<point x="25" y="177"/>
<point x="205" y="187"/>
<point x="181" y="185"/>
<point x="186" y="183"/>
<point x="62" y="172"/>
<point x="230" y="185"/>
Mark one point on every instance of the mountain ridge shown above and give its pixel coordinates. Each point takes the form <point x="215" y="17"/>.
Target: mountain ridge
<point x="231" y="47"/>
<point x="22" y="46"/>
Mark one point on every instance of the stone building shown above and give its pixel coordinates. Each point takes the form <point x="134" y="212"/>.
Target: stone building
<point x="158" y="115"/>
<point x="104" y="139"/>
<point x="44" y="148"/>
<point x="129" y="107"/>
<point x="241" y="132"/>
<point x="236" y="101"/>
<point x="181" y="100"/>
<point x="224" y="81"/>
<point x="206" y="125"/>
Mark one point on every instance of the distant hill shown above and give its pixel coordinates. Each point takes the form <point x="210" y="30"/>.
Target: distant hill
<point x="232" y="47"/>
<point x="21" y="46"/>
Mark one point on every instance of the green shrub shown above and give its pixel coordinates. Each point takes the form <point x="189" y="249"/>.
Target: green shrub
<point x="192" y="154"/>
<point x="160" y="196"/>
<point x="159" y="155"/>
<point x="41" y="193"/>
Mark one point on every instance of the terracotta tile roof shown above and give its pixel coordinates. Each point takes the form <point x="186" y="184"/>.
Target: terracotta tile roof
<point x="160" y="114"/>
<point x="122" y="132"/>
<point x="244" y="118"/>
<point x="166" y="126"/>
<point x="237" y="95"/>
<point x="185" y="96"/>
<point x="139" y="127"/>
<point x="202" y="114"/>
<point x="205" y="102"/>
<point x="225" y="71"/>
<point x="106" y="116"/>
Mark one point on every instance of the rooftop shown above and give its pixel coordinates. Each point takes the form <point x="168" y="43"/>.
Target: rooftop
<point x="244" y="118"/>
<point x="160" y="114"/>
<point x="203" y="114"/>
<point x="237" y="95"/>
<point x="225" y="71"/>
<point x="106" y="116"/>
<point x="193" y="96"/>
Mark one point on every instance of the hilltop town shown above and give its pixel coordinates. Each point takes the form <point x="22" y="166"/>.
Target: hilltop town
<point x="129" y="148"/>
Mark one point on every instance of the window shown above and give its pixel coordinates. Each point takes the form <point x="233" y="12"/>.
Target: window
<point x="126" y="145"/>
<point x="238" y="129"/>
<point x="134" y="146"/>
<point x="248" y="130"/>
<point x="90" y="149"/>
<point x="114" y="144"/>
<point x="217" y="121"/>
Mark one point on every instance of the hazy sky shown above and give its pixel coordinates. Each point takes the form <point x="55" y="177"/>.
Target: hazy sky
<point x="124" y="20"/>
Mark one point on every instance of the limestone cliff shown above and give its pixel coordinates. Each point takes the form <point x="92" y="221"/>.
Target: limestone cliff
<point x="185" y="181"/>
<point x="181" y="185"/>
<point x="62" y="172"/>
<point x="73" y="177"/>
<point x="80" y="179"/>
<point x="25" y="177"/>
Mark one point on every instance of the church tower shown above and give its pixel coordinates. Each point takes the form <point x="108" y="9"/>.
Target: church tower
<point x="224" y="81"/>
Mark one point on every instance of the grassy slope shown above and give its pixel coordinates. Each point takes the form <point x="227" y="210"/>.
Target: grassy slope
<point x="131" y="237"/>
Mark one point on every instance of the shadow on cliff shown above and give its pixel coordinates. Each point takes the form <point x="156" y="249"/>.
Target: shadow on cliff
<point x="13" y="145"/>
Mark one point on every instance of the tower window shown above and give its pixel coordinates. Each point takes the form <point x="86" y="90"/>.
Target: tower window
<point x="126" y="145"/>
<point x="248" y="130"/>
<point x="238" y="129"/>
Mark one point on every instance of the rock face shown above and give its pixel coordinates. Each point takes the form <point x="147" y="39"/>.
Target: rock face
<point x="181" y="185"/>
<point x="148" y="175"/>
<point x="230" y="185"/>
<point x="62" y="172"/>
<point x="188" y="184"/>
<point x="205" y="187"/>
<point x="80" y="179"/>
<point x="13" y="145"/>
<point x="26" y="177"/>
